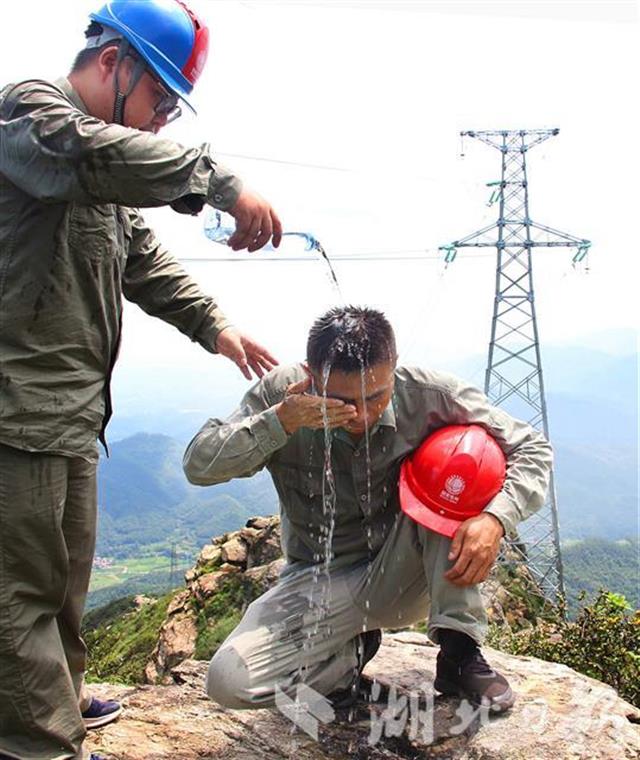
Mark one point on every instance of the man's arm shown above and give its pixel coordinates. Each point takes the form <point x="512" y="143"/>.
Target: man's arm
<point x="269" y="413"/>
<point x="529" y="457"/>
<point x="155" y="281"/>
<point x="239" y="446"/>
<point x="56" y="153"/>
<point x="528" y="453"/>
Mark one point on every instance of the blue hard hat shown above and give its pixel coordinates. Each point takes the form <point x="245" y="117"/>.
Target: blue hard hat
<point x="167" y="34"/>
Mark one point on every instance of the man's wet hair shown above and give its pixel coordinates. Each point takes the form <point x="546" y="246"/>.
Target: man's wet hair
<point x="348" y="338"/>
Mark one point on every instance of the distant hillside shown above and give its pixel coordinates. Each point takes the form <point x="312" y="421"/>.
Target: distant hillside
<point x="155" y="584"/>
<point x="598" y="563"/>
<point x="146" y="503"/>
<point x="597" y="491"/>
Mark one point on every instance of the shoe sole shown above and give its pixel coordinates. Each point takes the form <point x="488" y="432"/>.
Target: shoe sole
<point x="103" y="720"/>
<point x="448" y="689"/>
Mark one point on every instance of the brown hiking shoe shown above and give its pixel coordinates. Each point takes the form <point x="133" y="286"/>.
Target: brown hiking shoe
<point x="474" y="679"/>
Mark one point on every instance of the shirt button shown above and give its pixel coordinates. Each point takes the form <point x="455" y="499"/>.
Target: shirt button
<point x="356" y="453"/>
<point x="363" y="497"/>
<point x="384" y="449"/>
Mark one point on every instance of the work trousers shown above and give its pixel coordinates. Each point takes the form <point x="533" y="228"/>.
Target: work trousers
<point x="305" y="630"/>
<point x="47" y="540"/>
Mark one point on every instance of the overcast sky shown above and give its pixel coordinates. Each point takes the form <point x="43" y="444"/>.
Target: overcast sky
<point x="370" y="99"/>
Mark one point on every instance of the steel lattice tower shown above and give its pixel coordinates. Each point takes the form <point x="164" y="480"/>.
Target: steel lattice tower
<point x="513" y="378"/>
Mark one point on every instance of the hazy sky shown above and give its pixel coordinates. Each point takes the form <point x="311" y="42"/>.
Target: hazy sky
<point x="377" y="93"/>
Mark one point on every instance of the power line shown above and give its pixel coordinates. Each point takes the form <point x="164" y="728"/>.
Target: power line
<point x="409" y="255"/>
<point x="341" y="169"/>
<point x="173" y="566"/>
<point x="355" y="257"/>
<point x="286" y="162"/>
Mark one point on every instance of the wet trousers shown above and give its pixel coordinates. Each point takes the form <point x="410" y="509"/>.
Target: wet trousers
<point x="47" y="541"/>
<point x="306" y="628"/>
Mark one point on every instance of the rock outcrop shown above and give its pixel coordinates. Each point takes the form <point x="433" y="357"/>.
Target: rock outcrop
<point x="177" y="638"/>
<point x="253" y="556"/>
<point x="559" y="715"/>
<point x="246" y="561"/>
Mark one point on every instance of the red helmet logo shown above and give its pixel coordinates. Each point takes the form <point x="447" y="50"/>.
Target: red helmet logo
<point x="453" y="487"/>
<point x="451" y="476"/>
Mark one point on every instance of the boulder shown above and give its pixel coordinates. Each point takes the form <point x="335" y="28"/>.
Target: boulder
<point x="176" y="642"/>
<point x="209" y="584"/>
<point x="141" y="601"/>
<point x="265" y="576"/>
<point x="209" y="554"/>
<point x="234" y="551"/>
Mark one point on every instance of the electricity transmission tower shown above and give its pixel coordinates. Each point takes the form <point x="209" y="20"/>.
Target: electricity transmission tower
<point x="173" y="566"/>
<point x="513" y="378"/>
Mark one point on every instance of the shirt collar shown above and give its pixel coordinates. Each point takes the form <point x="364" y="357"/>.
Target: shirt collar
<point x="388" y="417"/>
<point x="62" y="83"/>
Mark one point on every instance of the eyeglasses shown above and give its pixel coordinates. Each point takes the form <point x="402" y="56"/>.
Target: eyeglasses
<point x="168" y="103"/>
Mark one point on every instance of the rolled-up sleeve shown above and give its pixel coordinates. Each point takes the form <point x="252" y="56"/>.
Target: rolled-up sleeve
<point x="528" y="454"/>
<point x="239" y="446"/>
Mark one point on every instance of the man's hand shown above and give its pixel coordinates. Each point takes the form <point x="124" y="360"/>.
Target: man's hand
<point x="475" y="547"/>
<point x="256" y="223"/>
<point x="244" y="352"/>
<point x="300" y="409"/>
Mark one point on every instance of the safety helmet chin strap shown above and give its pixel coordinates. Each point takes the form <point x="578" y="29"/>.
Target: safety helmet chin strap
<point x="121" y="97"/>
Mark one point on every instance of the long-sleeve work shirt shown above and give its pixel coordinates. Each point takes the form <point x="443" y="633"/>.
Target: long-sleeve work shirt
<point x="365" y="481"/>
<point x="72" y="243"/>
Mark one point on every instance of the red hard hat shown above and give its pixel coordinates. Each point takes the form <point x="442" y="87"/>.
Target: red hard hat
<point x="450" y="477"/>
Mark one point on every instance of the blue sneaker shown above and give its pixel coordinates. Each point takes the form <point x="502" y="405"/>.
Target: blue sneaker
<point x="100" y="713"/>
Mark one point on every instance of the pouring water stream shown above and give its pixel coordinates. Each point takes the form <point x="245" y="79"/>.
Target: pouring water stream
<point x="219" y="231"/>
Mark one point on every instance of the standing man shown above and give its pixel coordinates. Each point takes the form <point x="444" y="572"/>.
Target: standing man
<point x="356" y="563"/>
<point x="78" y="157"/>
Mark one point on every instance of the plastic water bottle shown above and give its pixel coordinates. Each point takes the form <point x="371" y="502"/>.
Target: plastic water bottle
<point x="219" y="228"/>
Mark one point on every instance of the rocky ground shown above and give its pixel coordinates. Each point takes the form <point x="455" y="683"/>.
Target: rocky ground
<point x="559" y="714"/>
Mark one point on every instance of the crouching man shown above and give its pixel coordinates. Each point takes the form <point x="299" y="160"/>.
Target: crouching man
<point x="333" y="434"/>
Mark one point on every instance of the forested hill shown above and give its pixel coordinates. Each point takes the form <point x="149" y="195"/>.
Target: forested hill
<point x="599" y="563"/>
<point x="146" y="504"/>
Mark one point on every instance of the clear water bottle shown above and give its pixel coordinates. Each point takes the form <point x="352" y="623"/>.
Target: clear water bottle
<point x="219" y="228"/>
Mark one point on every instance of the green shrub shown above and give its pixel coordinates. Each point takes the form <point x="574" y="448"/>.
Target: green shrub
<point x="219" y="615"/>
<point x="211" y="635"/>
<point x="120" y="649"/>
<point x="602" y="642"/>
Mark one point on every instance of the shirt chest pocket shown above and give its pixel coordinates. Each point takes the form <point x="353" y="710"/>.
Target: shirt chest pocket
<point x="309" y="496"/>
<point x="100" y="233"/>
<point x="307" y="484"/>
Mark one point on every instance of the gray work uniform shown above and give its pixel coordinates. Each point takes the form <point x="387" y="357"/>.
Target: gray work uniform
<point x="72" y="243"/>
<point x="374" y="567"/>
